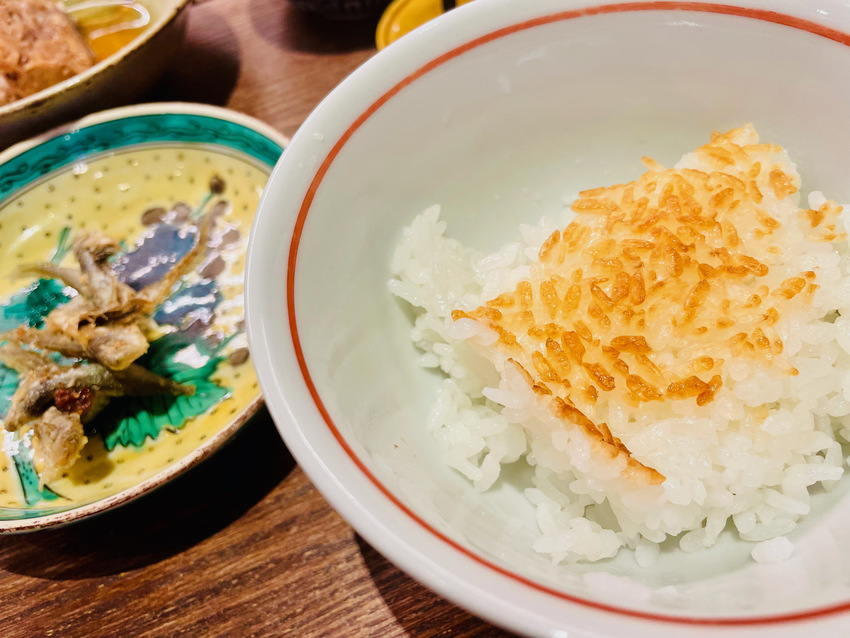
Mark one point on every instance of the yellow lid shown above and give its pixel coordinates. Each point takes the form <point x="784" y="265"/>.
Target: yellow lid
<point x="403" y="16"/>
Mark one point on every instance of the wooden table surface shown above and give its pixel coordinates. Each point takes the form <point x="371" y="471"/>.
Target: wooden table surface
<point x="240" y="546"/>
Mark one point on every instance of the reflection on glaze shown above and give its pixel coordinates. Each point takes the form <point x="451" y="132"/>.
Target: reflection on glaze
<point x="108" y="25"/>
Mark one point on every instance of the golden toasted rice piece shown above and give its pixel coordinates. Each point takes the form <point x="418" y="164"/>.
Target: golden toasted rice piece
<point x="671" y="263"/>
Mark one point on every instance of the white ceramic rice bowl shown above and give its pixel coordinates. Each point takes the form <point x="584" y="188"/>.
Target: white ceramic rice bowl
<point x="500" y="112"/>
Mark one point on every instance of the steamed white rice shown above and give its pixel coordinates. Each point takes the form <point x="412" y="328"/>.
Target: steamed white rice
<point x="750" y="456"/>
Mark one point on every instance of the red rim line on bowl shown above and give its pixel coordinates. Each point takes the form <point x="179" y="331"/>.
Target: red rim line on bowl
<point x="756" y="14"/>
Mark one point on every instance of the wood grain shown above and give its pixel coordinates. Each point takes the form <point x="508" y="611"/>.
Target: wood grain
<point x="264" y="58"/>
<point x="242" y="545"/>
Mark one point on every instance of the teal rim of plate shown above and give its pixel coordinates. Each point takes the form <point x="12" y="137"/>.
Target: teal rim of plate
<point x="68" y="148"/>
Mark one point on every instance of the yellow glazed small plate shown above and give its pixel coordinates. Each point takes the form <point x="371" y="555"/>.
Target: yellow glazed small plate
<point x="140" y="175"/>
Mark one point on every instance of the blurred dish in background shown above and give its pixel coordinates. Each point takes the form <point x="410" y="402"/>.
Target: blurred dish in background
<point x="40" y="45"/>
<point x="403" y="16"/>
<point x="125" y="46"/>
<point x="43" y="43"/>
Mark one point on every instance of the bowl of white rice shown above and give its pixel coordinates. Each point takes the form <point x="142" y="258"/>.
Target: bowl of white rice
<point x="551" y="300"/>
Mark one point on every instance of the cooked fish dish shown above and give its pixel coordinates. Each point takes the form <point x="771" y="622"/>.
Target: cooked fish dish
<point x="86" y="352"/>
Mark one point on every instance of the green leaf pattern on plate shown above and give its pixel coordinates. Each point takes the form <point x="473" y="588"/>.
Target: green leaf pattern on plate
<point x="27" y="307"/>
<point x="30" y="484"/>
<point x="135" y="419"/>
<point x="132" y="419"/>
<point x="30" y="306"/>
<point x="8" y="385"/>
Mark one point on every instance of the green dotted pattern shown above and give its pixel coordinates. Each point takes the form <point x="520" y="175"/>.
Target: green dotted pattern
<point x="68" y="148"/>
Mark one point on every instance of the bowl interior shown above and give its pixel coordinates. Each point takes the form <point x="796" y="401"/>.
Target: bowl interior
<point x="502" y="134"/>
